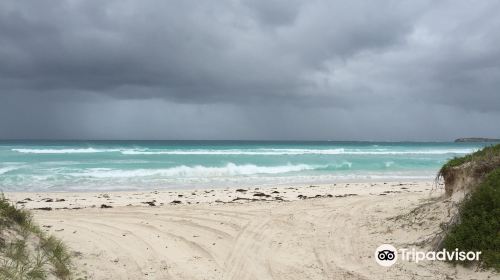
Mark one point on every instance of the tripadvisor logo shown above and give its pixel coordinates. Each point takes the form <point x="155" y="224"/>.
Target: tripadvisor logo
<point x="387" y="255"/>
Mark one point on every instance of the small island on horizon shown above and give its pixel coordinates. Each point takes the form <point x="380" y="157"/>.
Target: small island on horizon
<point x="476" y="139"/>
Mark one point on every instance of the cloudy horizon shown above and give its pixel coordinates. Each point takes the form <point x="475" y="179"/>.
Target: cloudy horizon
<point x="249" y="69"/>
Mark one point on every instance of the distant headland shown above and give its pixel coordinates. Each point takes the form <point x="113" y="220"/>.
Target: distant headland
<point x="476" y="139"/>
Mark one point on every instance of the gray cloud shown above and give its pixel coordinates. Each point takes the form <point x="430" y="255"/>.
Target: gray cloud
<point x="249" y="69"/>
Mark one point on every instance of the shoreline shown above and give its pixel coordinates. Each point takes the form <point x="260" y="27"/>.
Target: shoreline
<point x="237" y="184"/>
<point x="161" y="197"/>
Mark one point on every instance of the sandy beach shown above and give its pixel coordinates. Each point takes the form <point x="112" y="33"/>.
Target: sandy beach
<point x="249" y="140"/>
<point x="308" y="232"/>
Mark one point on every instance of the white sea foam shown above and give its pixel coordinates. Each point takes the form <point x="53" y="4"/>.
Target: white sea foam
<point x="338" y="151"/>
<point x="388" y="164"/>
<point x="4" y="170"/>
<point x="232" y="152"/>
<point x="230" y="169"/>
<point x="343" y="165"/>
<point x="64" y="151"/>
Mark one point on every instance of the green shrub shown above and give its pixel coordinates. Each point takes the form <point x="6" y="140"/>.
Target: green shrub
<point x="479" y="223"/>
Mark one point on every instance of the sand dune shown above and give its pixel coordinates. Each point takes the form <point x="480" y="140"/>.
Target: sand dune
<point x="317" y="238"/>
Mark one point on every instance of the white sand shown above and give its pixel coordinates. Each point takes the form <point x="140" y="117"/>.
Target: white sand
<point x="329" y="237"/>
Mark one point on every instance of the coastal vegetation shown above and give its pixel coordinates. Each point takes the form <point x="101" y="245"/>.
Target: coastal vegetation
<point x="477" y="227"/>
<point x="488" y="158"/>
<point x="26" y="252"/>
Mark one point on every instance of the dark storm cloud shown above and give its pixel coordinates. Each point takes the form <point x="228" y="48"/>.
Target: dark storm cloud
<point x="188" y="49"/>
<point x="336" y="69"/>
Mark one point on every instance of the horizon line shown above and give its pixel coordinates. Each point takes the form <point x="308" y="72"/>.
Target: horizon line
<point x="238" y="140"/>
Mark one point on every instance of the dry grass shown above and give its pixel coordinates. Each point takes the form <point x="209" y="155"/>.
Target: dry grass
<point x="25" y="251"/>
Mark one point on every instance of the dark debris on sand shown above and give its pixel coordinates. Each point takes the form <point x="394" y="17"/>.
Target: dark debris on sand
<point x="150" y="203"/>
<point x="43" y="208"/>
<point x="260" y="194"/>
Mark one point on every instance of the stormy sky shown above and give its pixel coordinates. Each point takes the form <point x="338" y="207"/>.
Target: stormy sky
<point x="249" y="69"/>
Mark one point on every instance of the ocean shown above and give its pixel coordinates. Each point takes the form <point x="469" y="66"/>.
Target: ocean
<point x="131" y="165"/>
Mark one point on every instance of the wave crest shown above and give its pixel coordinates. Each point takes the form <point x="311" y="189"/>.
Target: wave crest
<point x="197" y="171"/>
<point x="269" y="152"/>
<point x="64" y="151"/>
<point x="4" y="170"/>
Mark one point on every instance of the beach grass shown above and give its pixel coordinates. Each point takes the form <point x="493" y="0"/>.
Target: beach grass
<point x="26" y="252"/>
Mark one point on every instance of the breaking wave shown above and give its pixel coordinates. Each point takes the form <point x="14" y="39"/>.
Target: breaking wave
<point x="65" y="151"/>
<point x="4" y="170"/>
<point x="230" y="169"/>
<point x="339" y="151"/>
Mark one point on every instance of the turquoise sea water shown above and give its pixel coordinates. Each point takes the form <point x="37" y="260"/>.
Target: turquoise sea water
<point x="116" y="165"/>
